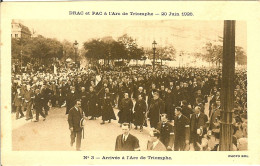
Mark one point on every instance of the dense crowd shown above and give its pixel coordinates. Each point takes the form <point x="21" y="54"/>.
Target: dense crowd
<point x="144" y="98"/>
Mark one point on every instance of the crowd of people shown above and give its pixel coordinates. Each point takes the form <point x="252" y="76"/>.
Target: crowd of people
<point x="181" y="105"/>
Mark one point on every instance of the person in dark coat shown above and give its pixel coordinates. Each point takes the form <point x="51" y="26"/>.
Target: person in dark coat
<point x="28" y="100"/>
<point x="107" y="109"/>
<point x="59" y="96"/>
<point x="151" y="94"/>
<point x="78" y="85"/>
<point x="182" y="130"/>
<point x="169" y="104"/>
<point x="121" y="91"/>
<point x="156" y="108"/>
<point x="162" y="93"/>
<point x="177" y="96"/>
<point x="206" y="87"/>
<point x="62" y="93"/>
<point x="47" y="95"/>
<point x="53" y="88"/>
<point x="126" y="113"/>
<point x="140" y="92"/>
<point x="171" y="86"/>
<point x="135" y="88"/>
<point x="84" y="101"/>
<point x="199" y="98"/>
<point x="214" y="119"/>
<point x="92" y="103"/>
<point x="74" y="119"/>
<point x="18" y="104"/>
<point x="198" y="124"/>
<point x="186" y="111"/>
<point x="38" y="105"/>
<point x="166" y="130"/>
<point x="139" y="112"/>
<point x="70" y="99"/>
<point x="126" y="141"/>
<point x="114" y="92"/>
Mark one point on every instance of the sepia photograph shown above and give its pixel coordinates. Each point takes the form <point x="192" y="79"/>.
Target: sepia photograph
<point x="128" y="85"/>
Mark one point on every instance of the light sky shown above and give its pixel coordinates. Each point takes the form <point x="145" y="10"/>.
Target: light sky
<point x="184" y="35"/>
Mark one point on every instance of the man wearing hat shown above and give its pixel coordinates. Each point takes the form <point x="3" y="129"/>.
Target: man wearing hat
<point x="214" y="118"/>
<point x="156" y="108"/>
<point x="140" y="92"/>
<point x="181" y="124"/>
<point x="139" y="113"/>
<point x="38" y="102"/>
<point x="154" y="143"/>
<point x="151" y="94"/>
<point x="92" y="103"/>
<point x="166" y="130"/>
<point x="18" y="103"/>
<point x="74" y="119"/>
<point x="126" y="113"/>
<point x="198" y="124"/>
<point x="126" y="141"/>
<point x="107" y="109"/>
<point x="47" y="93"/>
<point x="186" y="111"/>
<point x="84" y="100"/>
<point x="28" y="96"/>
<point x="70" y="99"/>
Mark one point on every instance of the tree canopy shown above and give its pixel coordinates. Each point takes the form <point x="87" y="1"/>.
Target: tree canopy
<point x="108" y="48"/>
<point x="213" y="53"/>
<point x="40" y="48"/>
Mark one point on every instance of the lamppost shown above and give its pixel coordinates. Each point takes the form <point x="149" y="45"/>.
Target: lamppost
<point x="182" y="64"/>
<point x="154" y="48"/>
<point x="21" y="53"/>
<point x="180" y="59"/>
<point x="219" y="63"/>
<point x="75" y="44"/>
<point x="109" y="55"/>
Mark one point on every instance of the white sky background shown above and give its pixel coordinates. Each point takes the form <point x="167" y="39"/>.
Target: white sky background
<point x="187" y="36"/>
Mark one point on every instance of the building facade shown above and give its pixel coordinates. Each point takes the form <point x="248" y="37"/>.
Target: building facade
<point x="19" y="30"/>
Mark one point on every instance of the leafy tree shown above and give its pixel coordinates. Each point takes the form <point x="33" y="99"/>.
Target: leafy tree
<point x="241" y="57"/>
<point x="163" y="53"/>
<point x="68" y="49"/>
<point x="96" y="49"/>
<point x="109" y="49"/>
<point x="39" y="48"/>
<point x="118" y="50"/>
<point x="130" y="45"/>
<point x="213" y="53"/>
<point x="20" y="45"/>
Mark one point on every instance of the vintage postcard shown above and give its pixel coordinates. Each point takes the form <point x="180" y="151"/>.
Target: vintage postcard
<point x="129" y="83"/>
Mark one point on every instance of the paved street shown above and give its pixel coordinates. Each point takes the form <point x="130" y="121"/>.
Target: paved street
<point x="53" y="134"/>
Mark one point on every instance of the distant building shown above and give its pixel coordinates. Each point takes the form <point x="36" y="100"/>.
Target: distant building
<point x="20" y="31"/>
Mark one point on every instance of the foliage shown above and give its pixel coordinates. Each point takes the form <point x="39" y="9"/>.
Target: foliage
<point x="68" y="49"/>
<point x="38" y="48"/>
<point x="107" y="48"/>
<point x="96" y="49"/>
<point x="241" y="57"/>
<point x="163" y="53"/>
<point x="213" y="53"/>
